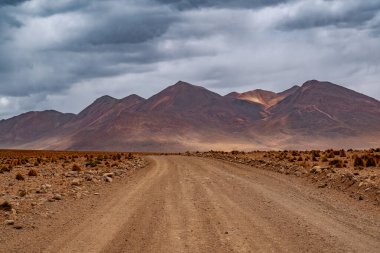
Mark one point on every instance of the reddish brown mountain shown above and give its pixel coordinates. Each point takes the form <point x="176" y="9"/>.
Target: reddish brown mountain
<point x="202" y="107"/>
<point x="263" y="97"/>
<point x="182" y="113"/>
<point x="323" y="108"/>
<point x="31" y="126"/>
<point x="188" y="117"/>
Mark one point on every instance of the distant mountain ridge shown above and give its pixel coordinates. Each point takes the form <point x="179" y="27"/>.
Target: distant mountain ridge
<point x="188" y="117"/>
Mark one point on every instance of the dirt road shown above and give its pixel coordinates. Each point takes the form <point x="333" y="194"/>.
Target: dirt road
<point x="188" y="204"/>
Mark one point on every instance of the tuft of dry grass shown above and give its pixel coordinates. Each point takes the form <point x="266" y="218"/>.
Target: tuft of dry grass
<point x="6" y="206"/>
<point x="358" y="162"/>
<point x="5" y="169"/>
<point x="130" y="156"/>
<point x="369" y="161"/>
<point x="32" y="173"/>
<point x="19" y="176"/>
<point x="76" y="167"/>
<point x="337" y="163"/>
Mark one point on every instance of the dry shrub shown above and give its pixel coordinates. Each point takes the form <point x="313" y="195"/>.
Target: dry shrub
<point x="32" y="173"/>
<point x="5" y="169"/>
<point x="130" y="156"/>
<point x="76" y="167"/>
<point x="91" y="164"/>
<point x="6" y="206"/>
<point x="369" y="161"/>
<point x="365" y="161"/>
<point x="19" y="176"/>
<point x="316" y="153"/>
<point x="342" y="153"/>
<point x="336" y="163"/>
<point x="377" y="158"/>
<point x="358" y="162"/>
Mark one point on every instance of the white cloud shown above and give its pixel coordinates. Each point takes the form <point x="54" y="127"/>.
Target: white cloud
<point x="4" y="102"/>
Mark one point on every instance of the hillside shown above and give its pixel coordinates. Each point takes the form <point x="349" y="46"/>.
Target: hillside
<point x="188" y="117"/>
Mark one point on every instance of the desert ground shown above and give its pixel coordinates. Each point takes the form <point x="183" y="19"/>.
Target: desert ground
<point x="278" y="201"/>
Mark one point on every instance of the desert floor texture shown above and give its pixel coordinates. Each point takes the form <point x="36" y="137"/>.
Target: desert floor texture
<point x="172" y="203"/>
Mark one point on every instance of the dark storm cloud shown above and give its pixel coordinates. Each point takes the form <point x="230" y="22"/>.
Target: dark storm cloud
<point x="189" y="4"/>
<point x="129" y="29"/>
<point x="348" y="14"/>
<point x="11" y="2"/>
<point x="120" y="36"/>
<point x="62" y="54"/>
<point x="7" y="22"/>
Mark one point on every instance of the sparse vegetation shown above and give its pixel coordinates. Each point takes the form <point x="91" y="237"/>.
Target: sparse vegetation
<point x="324" y="159"/>
<point x="337" y="163"/>
<point x="91" y="163"/>
<point x="76" y="167"/>
<point x="20" y="177"/>
<point x="23" y="184"/>
<point x="358" y="162"/>
<point x="369" y="161"/>
<point x="365" y="161"/>
<point x="32" y="173"/>
<point x="6" y="206"/>
<point x="356" y="172"/>
<point x="235" y="152"/>
<point x="5" y="169"/>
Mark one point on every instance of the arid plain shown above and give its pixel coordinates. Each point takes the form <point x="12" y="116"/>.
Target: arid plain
<point x="326" y="201"/>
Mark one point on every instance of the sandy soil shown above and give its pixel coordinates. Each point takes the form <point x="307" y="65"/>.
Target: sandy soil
<point x="328" y="170"/>
<point x="191" y="204"/>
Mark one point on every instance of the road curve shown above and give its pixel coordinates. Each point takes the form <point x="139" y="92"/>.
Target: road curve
<point x="189" y="204"/>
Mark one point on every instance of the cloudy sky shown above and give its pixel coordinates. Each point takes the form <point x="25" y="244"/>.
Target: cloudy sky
<point x="63" y="54"/>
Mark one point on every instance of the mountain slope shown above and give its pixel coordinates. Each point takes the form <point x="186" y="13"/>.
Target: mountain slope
<point x="180" y="113"/>
<point x="323" y="108"/>
<point x="188" y="117"/>
<point x="201" y="106"/>
<point x="31" y="126"/>
<point x="263" y="97"/>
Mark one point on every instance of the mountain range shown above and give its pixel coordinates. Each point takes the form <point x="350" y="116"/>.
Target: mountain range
<point x="316" y="115"/>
